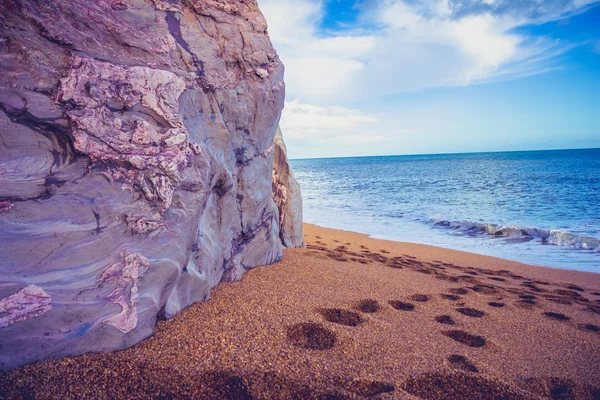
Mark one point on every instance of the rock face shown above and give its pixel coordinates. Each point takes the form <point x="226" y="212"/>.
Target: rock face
<point x="136" y="157"/>
<point x="287" y="196"/>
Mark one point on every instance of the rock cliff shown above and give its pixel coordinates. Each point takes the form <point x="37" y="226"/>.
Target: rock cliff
<point x="136" y="165"/>
<point x="287" y="196"/>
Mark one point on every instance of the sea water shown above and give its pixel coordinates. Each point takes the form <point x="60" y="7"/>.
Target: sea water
<point x="536" y="207"/>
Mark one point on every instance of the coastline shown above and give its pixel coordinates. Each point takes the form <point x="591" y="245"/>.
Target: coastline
<point x="432" y="253"/>
<point x="355" y="317"/>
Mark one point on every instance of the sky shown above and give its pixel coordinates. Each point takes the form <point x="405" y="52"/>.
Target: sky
<point x="383" y="77"/>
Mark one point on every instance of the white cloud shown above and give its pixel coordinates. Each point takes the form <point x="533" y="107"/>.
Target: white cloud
<point x="401" y="46"/>
<point x="304" y="121"/>
<point x="311" y="130"/>
<point x="416" y="45"/>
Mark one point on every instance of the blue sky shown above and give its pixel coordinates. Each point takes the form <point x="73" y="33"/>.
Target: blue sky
<point x="375" y="77"/>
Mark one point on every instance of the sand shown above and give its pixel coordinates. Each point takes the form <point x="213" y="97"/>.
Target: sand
<point x="355" y="317"/>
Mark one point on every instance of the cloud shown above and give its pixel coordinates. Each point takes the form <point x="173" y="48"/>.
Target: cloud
<point x="396" y="47"/>
<point x="403" y="46"/>
<point x="309" y="123"/>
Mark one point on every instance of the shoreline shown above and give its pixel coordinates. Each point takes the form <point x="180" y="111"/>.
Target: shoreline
<point x="352" y="317"/>
<point x="479" y="260"/>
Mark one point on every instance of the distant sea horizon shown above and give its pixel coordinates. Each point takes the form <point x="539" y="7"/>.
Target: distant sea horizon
<point x="446" y="154"/>
<point x="538" y="207"/>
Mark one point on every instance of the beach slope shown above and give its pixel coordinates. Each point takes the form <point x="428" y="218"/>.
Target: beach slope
<point x="355" y="317"/>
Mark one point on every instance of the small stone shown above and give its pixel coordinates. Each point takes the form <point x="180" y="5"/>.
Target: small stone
<point x="263" y="73"/>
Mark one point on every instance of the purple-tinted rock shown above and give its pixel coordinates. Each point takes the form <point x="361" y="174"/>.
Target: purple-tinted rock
<point x="136" y="164"/>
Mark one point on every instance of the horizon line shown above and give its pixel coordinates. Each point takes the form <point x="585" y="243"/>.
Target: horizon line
<point x="446" y="154"/>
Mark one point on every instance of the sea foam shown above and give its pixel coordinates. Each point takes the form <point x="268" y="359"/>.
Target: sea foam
<point x="509" y="232"/>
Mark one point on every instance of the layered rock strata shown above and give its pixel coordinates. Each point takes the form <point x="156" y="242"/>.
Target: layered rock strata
<point x="136" y="159"/>
<point x="287" y="196"/>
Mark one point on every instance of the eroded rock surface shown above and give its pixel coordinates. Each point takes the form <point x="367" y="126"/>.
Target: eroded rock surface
<point x="287" y="196"/>
<point x="136" y="159"/>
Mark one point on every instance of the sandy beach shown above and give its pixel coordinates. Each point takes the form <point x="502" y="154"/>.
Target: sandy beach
<point x="355" y="317"/>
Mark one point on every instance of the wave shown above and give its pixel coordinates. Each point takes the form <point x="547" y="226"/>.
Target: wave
<point x="515" y="233"/>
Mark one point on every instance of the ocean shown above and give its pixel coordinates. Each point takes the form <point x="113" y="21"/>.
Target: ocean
<point x="536" y="207"/>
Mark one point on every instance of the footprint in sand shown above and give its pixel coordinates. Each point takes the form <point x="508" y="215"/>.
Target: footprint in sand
<point x="466" y="338"/>
<point x="458" y="291"/>
<point x="461" y="362"/>
<point x="526" y="303"/>
<point x="567" y="293"/>
<point x="366" y="388"/>
<point x="485" y="289"/>
<point x="575" y="287"/>
<point x="592" y="309"/>
<point x="558" y="300"/>
<point x="445" y="319"/>
<point x="452" y="297"/>
<point x="471" y="312"/>
<point x="589" y="327"/>
<point x="495" y="304"/>
<point x="399" y="305"/>
<point x="342" y="317"/>
<point x="311" y="336"/>
<point x="527" y="297"/>
<point x="460" y="386"/>
<point x="367" y="306"/>
<point x="225" y="385"/>
<point x="557" y="316"/>
<point x="559" y="388"/>
<point x="422" y="298"/>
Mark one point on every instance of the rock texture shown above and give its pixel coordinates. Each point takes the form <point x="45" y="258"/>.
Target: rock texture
<point x="136" y="151"/>
<point x="287" y="196"/>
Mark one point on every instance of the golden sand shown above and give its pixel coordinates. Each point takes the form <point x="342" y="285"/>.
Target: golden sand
<point x="355" y="317"/>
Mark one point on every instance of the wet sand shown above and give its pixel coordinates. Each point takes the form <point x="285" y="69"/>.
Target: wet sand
<point x="355" y="317"/>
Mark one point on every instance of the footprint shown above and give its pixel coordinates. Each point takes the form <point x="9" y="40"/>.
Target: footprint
<point x="422" y="298"/>
<point x="557" y="316"/>
<point x="558" y="300"/>
<point x="452" y="297"/>
<point x="439" y="386"/>
<point x="311" y="336"/>
<point x="399" y="305"/>
<point x="589" y="327"/>
<point x="592" y="309"/>
<point x="445" y="319"/>
<point x="466" y="338"/>
<point x="575" y="287"/>
<point x="531" y="286"/>
<point x="366" y="388"/>
<point x="527" y="297"/>
<point x="471" y="312"/>
<point x="559" y="388"/>
<point x="525" y="303"/>
<point x="567" y="293"/>
<point x="368" y="306"/>
<point x="461" y="362"/>
<point x="342" y="317"/>
<point x="459" y="291"/>
<point x="495" y="304"/>
<point x="226" y="385"/>
<point x="485" y="289"/>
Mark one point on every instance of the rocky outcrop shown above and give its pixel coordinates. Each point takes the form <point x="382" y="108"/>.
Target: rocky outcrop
<point x="287" y="196"/>
<point x="136" y="157"/>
